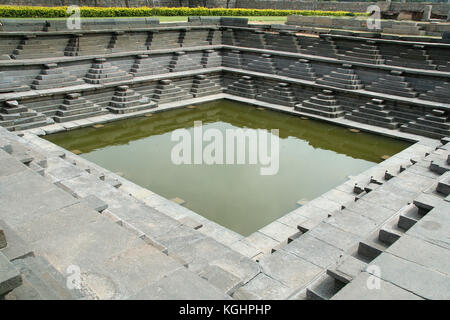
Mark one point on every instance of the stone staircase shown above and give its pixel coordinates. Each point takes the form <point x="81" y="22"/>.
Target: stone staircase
<point x="323" y="104"/>
<point x="282" y="41"/>
<point x="360" y="52"/>
<point x="146" y="65"/>
<point x="32" y="47"/>
<point x="374" y="113"/>
<point x="102" y="72"/>
<point x="202" y="86"/>
<point x="76" y="107"/>
<point x="232" y="59"/>
<point x="52" y="77"/>
<point x="344" y="78"/>
<point x="88" y="44"/>
<point x="11" y="85"/>
<point x="126" y="100"/>
<point x="281" y="94"/>
<point x="440" y="93"/>
<point x="244" y="87"/>
<point x="301" y="69"/>
<point x="167" y="91"/>
<point x="182" y="62"/>
<point x="434" y="125"/>
<point x="263" y="63"/>
<point x="14" y="117"/>
<point x="394" y="84"/>
<point x="211" y="59"/>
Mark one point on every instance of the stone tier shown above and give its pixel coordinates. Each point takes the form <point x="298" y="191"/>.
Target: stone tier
<point x="88" y="44"/>
<point x="318" y="46"/>
<point x="283" y="41"/>
<point x="103" y="72"/>
<point x="202" y="86"/>
<point x="166" y="92"/>
<point x="164" y="40"/>
<point x="146" y="65"/>
<point x="53" y="77"/>
<point x="440" y="93"/>
<point x="11" y="85"/>
<point x="14" y="117"/>
<point x="263" y="63"/>
<point x="415" y="57"/>
<point x="75" y="107"/>
<point x="323" y="104"/>
<point x="281" y="94"/>
<point x="394" y="84"/>
<point x="211" y="59"/>
<point x="361" y="52"/>
<point x="232" y="59"/>
<point x="301" y="69"/>
<point x="126" y="100"/>
<point x="434" y="125"/>
<point x="374" y="113"/>
<point x="32" y="47"/>
<point x="122" y="41"/>
<point x="182" y="62"/>
<point x="244" y="87"/>
<point x="344" y="77"/>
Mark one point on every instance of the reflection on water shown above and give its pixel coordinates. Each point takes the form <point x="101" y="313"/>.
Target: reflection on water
<point x="314" y="157"/>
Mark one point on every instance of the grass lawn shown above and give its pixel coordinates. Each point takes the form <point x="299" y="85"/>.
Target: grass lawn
<point x="254" y="19"/>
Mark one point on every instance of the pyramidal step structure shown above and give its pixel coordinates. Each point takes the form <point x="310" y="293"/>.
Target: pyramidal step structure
<point x="202" y="86"/>
<point x="244" y="87"/>
<point x="75" y="107"/>
<point x="434" y="124"/>
<point x="344" y="78"/>
<point x="167" y="91"/>
<point x="126" y="100"/>
<point x="374" y="113"/>
<point x="211" y="59"/>
<point x="281" y="94"/>
<point x="232" y="59"/>
<point x="323" y="104"/>
<point x="145" y="65"/>
<point x="102" y="71"/>
<point x="301" y="69"/>
<point x="52" y="76"/>
<point x="14" y="117"/>
<point x="182" y="62"/>
<point x="263" y="63"/>
<point x="394" y="84"/>
<point x="440" y="93"/>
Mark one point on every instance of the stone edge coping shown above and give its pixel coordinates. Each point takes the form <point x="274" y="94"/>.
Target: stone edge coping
<point x="225" y="234"/>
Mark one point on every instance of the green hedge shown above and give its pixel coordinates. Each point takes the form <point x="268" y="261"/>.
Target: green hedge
<point x="60" y="12"/>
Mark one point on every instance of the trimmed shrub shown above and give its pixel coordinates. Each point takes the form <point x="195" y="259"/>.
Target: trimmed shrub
<point x="61" y="12"/>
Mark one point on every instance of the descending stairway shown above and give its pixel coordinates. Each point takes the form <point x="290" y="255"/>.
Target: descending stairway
<point x="15" y="116"/>
<point x="76" y="107"/>
<point x="244" y="87"/>
<point x="102" y="72"/>
<point x="374" y="113"/>
<point x="52" y="76"/>
<point x="167" y="91"/>
<point x="344" y="78"/>
<point x="434" y="125"/>
<point x="323" y="104"/>
<point x="301" y="69"/>
<point x="126" y="100"/>
<point x="281" y="94"/>
<point x="394" y="84"/>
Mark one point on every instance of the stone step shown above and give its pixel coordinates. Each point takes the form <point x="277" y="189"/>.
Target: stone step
<point x="324" y="289"/>
<point x="371" y="247"/>
<point x="10" y="277"/>
<point x="444" y="185"/>
<point x="43" y="279"/>
<point x="347" y="270"/>
<point x="365" y="120"/>
<point x="408" y="217"/>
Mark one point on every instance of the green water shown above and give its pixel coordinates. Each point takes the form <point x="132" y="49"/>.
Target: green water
<point x="314" y="157"/>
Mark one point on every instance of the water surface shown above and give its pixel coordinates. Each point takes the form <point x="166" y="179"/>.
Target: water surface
<point x="314" y="158"/>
